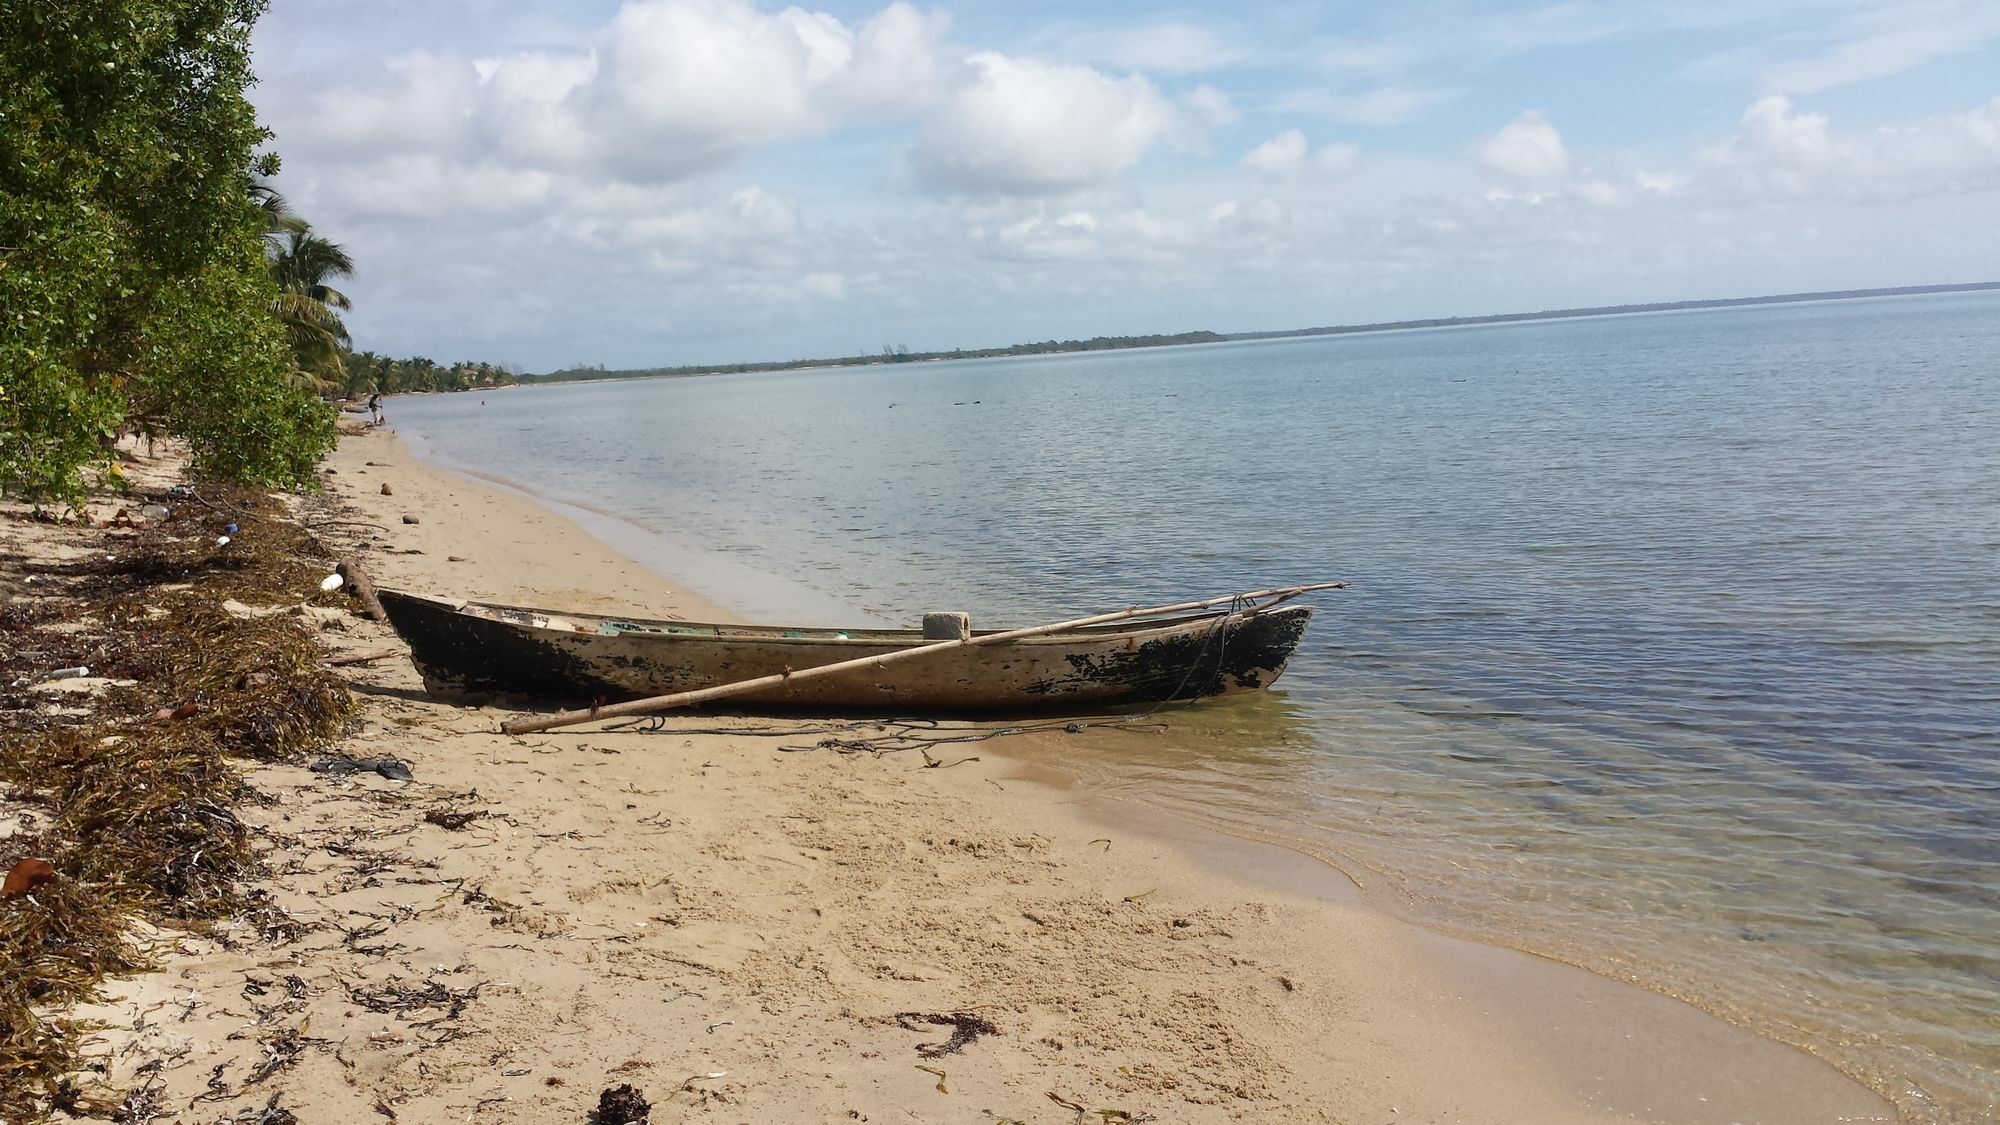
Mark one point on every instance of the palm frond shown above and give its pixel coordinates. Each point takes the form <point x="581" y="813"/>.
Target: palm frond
<point x="328" y="295"/>
<point x="279" y="218"/>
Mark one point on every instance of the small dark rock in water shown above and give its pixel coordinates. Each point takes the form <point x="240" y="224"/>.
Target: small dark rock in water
<point x="387" y="491"/>
<point x="409" y="519"/>
<point x="622" y="1105"/>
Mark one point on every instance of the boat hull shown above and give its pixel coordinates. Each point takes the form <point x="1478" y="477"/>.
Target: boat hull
<point x="476" y="652"/>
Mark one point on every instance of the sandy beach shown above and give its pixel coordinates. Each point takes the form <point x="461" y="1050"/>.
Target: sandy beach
<point x="746" y="926"/>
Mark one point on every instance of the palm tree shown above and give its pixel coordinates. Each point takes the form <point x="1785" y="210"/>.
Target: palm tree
<point x="279" y="218"/>
<point x="302" y="263"/>
<point x="306" y="306"/>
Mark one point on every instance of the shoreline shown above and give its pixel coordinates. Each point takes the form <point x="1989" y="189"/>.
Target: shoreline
<point x="1481" y="979"/>
<point x="737" y="916"/>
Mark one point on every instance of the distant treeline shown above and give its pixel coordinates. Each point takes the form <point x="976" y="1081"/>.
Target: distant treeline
<point x="1615" y="310"/>
<point x="888" y="354"/>
<point x="901" y="354"/>
<point x="368" y="373"/>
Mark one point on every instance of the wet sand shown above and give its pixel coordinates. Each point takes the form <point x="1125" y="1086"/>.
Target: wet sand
<point x="734" y="929"/>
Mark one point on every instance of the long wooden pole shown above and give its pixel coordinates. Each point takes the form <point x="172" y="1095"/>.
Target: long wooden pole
<point x="656" y="703"/>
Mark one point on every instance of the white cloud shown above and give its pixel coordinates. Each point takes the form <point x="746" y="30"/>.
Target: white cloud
<point x="899" y="60"/>
<point x="1782" y="150"/>
<point x="1023" y="125"/>
<point x="688" y="83"/>
<point x="669" y="88"/>
<point x="1528" y="147"/>
<point x="675" y="88"/>
<point x="421" y="187"/>
<point x="1287" y="157"/>
<point x="421" y="104"/>
<point x="522" y="109"/>
<point x="1282" y="156"/>
<point x="1774" y="133"/>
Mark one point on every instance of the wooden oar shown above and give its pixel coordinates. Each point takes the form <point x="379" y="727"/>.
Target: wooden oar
<point x="648" y="706"/>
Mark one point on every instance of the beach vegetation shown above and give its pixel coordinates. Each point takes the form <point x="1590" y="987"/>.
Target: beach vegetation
<point x="135" y="289"/>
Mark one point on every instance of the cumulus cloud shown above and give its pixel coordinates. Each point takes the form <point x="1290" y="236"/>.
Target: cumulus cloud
<point x="1775" y="134"/>
<point x="1782" y="150"/>
<point x="1024" y="125"/>
<point x="674" y="88"/>
<point x="721" y="71"/>
<point x="1281" y="156"/>
<point x="1288" y="157"/>
<point x="1528" y="147"/>
<point x="670" y="87"/>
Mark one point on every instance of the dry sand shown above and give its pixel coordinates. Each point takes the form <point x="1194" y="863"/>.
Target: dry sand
<point x="735" y="929"/>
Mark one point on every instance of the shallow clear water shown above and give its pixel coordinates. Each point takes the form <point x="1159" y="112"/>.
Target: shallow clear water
<point x="1674" y="647"/>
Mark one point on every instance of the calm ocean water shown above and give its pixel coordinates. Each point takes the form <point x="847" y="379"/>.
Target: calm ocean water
<point x="1674" y="649"/>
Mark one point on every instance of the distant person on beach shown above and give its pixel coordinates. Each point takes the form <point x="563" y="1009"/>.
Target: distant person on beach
<point x="375" y="408"/>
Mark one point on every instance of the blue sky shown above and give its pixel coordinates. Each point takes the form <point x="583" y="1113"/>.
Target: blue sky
<point x="691" y="181"/>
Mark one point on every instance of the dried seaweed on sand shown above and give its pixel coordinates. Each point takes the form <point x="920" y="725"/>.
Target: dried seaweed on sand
<point x="134" y="793"/>
<point x="965" y="1028"/>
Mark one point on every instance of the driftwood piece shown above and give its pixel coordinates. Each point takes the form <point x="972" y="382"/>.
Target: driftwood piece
<point x="359" y="585"/>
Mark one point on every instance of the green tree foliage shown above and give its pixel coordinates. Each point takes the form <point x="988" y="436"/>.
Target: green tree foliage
<point x="306" y="305"/>
<point x="368" y="373"/>
<point x="310" y="309"/>
<point x="134" y="286"/>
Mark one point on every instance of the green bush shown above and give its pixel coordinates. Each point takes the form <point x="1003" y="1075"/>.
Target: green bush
<point x="133" y="282"/>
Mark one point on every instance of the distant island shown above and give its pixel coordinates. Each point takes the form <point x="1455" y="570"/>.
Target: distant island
<point x="1619" y="310"/>
<point x="889" y="354"/>
<point x="899" y="354"/>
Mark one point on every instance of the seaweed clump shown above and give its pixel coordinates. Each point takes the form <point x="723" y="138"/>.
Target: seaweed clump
<point x="132" y="786"/>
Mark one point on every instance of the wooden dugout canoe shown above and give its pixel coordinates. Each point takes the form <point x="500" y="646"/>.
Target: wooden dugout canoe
<point x="475" y="650"/>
